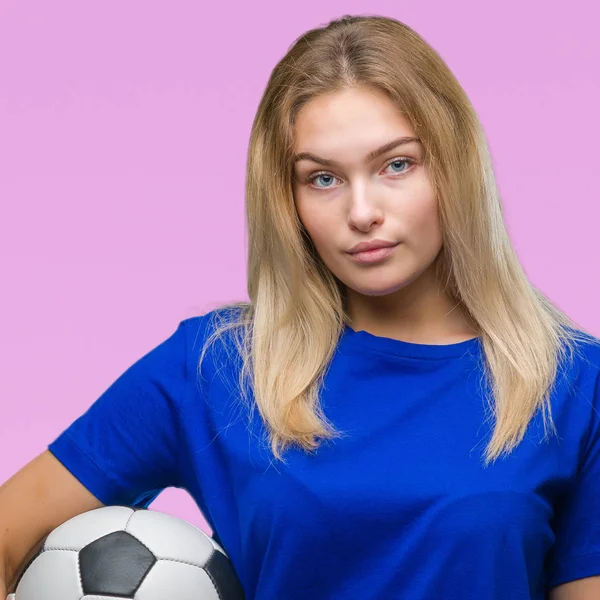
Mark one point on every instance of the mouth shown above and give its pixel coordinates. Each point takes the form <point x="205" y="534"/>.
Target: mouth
<point x="371" y="245"/>
<point x="374" y="255"/>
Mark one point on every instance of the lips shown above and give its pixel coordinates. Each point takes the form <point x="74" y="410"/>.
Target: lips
<point x="375" y="256"/>
<point x="372" y="245"/>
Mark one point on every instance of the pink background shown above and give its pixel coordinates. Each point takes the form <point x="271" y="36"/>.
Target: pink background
<point x="123" y="134"/>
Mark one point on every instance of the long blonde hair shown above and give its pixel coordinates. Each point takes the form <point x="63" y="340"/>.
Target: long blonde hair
<point x="296" y="314"/>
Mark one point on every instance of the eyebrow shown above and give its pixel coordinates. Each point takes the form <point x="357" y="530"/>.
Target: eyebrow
<point x="371" y="156"/>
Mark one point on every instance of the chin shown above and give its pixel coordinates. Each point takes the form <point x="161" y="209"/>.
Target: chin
<point x="378" y="288"/>
<point x="378" y="292"/>
<point x="382" y="282"/>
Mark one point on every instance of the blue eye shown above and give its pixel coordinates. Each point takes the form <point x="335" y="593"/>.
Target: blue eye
<point x="330" y="177"/>
<point x="318" y="175"/>
<point x="399" y="160"/>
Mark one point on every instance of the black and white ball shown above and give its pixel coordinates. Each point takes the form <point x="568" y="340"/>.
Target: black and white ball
<point x="119" y="553"/>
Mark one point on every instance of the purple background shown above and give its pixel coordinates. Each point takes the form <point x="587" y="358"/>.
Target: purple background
<point x="123" y="136"/>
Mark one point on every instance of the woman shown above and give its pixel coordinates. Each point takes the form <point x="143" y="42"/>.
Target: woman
<point x="415" y="421"/>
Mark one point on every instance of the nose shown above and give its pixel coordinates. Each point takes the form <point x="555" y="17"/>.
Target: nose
<point x="364" y="210"/>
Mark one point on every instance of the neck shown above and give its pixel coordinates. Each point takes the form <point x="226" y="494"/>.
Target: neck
<point x="419" y="313"/>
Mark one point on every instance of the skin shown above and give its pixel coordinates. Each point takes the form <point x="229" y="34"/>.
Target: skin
<point x="398" y="298"/>
<point x="361" y="200"/>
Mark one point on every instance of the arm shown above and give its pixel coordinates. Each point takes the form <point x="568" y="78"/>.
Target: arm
<point x="581" y="589"/>
<point x="122" y="451"/>
<point x="3" y="588"/>
<point x="33" y="502"/>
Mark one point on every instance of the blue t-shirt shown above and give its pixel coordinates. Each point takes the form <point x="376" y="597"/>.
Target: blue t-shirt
<point x="402" y="507"/>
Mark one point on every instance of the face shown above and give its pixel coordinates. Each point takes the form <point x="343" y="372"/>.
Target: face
<point x="360" y="198"/>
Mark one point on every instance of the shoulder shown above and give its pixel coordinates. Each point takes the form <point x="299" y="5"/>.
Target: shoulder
<point x="584" y="368"/>
<point x="215" y="336"/>
<point x="576" y="393"/>
<point x="200" y="328"/>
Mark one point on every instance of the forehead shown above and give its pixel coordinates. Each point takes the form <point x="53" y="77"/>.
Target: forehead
<point x="359" y="118"/>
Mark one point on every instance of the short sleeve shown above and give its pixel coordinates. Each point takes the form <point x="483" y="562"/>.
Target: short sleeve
<point x="124" y="448"/>
<point x="576" y="552"/>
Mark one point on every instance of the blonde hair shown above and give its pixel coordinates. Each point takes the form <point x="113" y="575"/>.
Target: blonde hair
<point x="296" y="314"/>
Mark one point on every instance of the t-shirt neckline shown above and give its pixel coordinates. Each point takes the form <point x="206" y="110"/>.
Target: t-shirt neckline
<point x="368" y="341"/>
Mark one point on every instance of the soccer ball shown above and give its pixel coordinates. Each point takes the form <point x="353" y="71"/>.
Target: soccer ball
<point x="119" y="553"/>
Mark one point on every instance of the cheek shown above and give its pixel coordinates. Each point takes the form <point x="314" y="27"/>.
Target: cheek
<point x="422" y="216"/>
<point x="320" y="232"/>
<point x="318" y="223"/>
